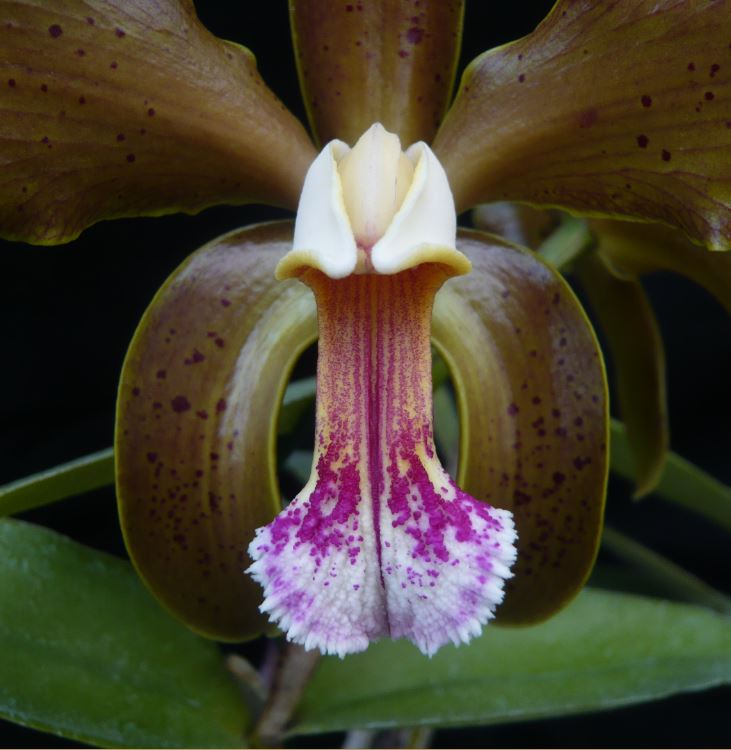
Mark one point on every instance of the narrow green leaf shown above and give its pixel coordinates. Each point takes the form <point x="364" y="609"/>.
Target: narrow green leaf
<point x="681" y="483"/>
<point x="88" y="654"/>
<point x="604" y="650"/>
<point x="69" y="479"/>
<point x="668" y="578"/>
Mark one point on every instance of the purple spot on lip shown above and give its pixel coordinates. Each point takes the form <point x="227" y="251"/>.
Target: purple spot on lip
<point x="665" y="155"/>
<point x="11" y="83"/>
<point x="513" y="410"/>
<point x="646" y="100"/>
<point x="55" y="31"/>
<point x="120" y="33"/>
<point x="642" y="141"/>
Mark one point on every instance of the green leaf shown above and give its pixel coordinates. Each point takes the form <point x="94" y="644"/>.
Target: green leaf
<point x="88" y="654"/>
<point x="66" y="480"/>
<point x="666" y="577"/>
<point x="603" y="651"/>
<point x="681" y="483"/>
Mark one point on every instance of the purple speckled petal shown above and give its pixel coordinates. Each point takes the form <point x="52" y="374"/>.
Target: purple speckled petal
<point x="380" y="542"/>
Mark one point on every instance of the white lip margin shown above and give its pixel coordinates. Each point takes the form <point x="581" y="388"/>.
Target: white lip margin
<point x="426" y="223"/>
<point x="323" y="237"/>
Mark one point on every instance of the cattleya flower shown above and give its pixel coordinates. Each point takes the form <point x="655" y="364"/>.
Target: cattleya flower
<point x="119" y="109"/>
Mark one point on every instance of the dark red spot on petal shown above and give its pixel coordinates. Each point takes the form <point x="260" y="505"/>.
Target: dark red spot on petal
<point x="691" y="66"/>
<point x="11" y="83"/>
<point x="82" y="100"/>
<point x="221" y="405"/>
<point x="180" y="404"/>
<point x="120" y="33"/>
<point x="55" y="31"/>
<point x="709" y="96"/>
<point x="414" y="35"/>
<point x="521" y="78"/>
<point x="120" y="137"/>
<point x="642" y="141"/>
<point x="512" y="410"/>
<point x="151" y="112"/>
<point x="646" y="100"/>
<point x="152" y="457"/>
<point x="44" y="88"/>
<point x="131" y="158"/>
<point x="665" y="155"/>
<point x="161" y="374"/>
<point x="588" y="118"/>
<point x="113" y="65"/>
<point x="714" y="69"/>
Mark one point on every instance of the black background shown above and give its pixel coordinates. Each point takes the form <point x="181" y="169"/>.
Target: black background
<point x="68" y="314"/>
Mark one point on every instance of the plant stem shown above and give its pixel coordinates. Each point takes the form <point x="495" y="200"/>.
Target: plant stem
<point x="570" y="240"/>
<point x="296" y="667"/>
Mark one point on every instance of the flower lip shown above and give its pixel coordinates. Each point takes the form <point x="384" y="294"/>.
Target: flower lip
<point x="357" y="215"/>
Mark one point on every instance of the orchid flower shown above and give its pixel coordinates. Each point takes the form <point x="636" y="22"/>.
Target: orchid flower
<point x="132" y="108"/>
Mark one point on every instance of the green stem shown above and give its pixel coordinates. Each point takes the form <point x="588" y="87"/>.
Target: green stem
<point x="568" y="241"/>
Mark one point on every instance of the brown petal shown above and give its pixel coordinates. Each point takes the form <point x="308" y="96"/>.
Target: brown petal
<point x="115" y="108"/>
<point x="370" y="61"/>
<point x="633" y="336"/>
<point x="533" y="408"/>
<point x="631" y="249"/>
<point x="197" y="424"/>
<point x="619" y="108"/>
